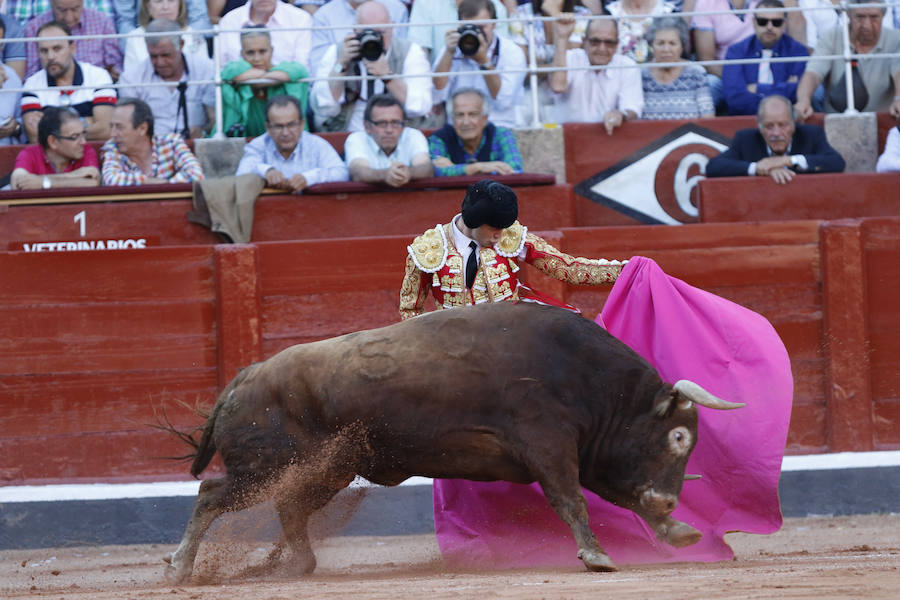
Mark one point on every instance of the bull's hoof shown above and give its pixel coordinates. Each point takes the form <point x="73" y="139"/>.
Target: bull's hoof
<point x="679" y="534"/>
<point x="174" y="575"/>
<point x="596" y="561"/>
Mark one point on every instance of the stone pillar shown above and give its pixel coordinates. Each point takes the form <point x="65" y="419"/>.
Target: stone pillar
<point x="219" y="158"/>
<point x="543" y="151"/>
<point x="855" y="136"/>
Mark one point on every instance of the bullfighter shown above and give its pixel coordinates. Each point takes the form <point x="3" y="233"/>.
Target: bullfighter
<point x="474" y="258"/>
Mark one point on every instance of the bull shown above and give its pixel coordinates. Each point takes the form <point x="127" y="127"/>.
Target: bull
<point x="511" y="392"/>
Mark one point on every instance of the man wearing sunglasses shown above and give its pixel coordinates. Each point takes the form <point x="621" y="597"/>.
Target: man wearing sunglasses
<point x="744" y="85"/>
<point x="61" y="158"/>
<point x="387" y="151"/>
<point x="609" y="96"/>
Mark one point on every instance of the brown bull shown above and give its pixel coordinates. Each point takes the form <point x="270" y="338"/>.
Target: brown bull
<point x="512" y="392"/>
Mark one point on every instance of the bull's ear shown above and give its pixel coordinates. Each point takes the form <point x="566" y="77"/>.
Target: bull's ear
<point x="665" y="401"/>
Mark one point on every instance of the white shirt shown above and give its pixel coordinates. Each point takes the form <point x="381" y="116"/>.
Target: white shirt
<point x="797" y="160"/>
<point x="92" y="90"/>
<point x="341" y="15"/>
<point x="427" y="13"/>
<point x="418" y="89"/>
<point x="361" y="145"/>
<point x="890" y="159"/>
<point x="313" y="157"/>
<point x="136" y="47"/>
<point x="163" y="99"/>
<point x="506" y="59"/>
<point x="462" y="241"/>
<point x="286" y="45"/>
<point x="9" y="103"/>
<point x="591" y="94"/>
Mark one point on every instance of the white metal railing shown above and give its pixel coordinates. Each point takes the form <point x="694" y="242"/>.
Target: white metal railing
<point x="532" y="70"/>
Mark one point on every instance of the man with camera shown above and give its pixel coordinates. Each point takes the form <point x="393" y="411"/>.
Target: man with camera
<point x="496" y="65"/>
<point x="393" y="66"/>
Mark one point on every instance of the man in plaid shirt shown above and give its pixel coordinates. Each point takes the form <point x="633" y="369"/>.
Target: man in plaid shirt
<point x="25" y="10"/>
<point x="105" y="53"/>
<point x="134" y="156"/>
<point x="472" y="145"/>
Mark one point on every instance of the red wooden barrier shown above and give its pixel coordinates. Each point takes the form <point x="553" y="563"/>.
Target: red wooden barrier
<point x="277" y="217"/>
<point x="812" y="196"/>
<point x="94" y="341"/>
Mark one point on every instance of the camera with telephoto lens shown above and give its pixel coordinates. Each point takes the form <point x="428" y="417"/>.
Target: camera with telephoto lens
<point x="371" y="44"/>
<point x="469" y="41"/>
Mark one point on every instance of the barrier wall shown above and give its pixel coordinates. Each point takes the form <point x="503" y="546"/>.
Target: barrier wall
<point x="94" y="342"/>
<point x="812" y="196"/>
<point x="276" y="217"/>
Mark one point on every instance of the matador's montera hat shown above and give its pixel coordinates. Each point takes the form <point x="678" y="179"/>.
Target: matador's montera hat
<point x="489" y="203"/>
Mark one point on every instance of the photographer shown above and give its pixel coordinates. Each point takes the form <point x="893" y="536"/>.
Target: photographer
<point x="339" y="104"/>
<point x="491" y="52"/>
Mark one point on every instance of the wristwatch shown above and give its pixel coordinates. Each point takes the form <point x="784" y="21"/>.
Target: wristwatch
<point x="46" y="183"/>
<point x="487" y="67"/>
<point x="338" y="68"/>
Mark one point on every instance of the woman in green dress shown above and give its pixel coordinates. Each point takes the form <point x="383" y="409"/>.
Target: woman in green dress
<point x="254" y="79"/>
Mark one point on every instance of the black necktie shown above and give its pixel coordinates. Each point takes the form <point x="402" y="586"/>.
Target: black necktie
<point x="471" y="264"/>
<point x="182" y="109"/>
<point x="837" y="95"/>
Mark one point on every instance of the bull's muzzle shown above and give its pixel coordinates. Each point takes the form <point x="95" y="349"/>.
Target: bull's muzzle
<point x="658" y="504"/>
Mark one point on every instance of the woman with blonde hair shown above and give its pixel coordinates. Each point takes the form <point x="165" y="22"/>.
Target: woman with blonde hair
<point x="172" y="10"/>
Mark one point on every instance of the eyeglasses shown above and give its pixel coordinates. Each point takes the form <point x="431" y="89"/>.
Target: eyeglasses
<point x="775" y="22"/>
<point x="600" y="41"/>
<point x="74" y="137"/>
<point x="276" y="127"/>
<point x="386" y="124"/>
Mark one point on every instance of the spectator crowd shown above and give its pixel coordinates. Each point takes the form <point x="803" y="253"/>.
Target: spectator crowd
<point x="346" y="65"/>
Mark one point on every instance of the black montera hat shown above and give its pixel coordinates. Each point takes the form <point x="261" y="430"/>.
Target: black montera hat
<point x="489" y="203"/>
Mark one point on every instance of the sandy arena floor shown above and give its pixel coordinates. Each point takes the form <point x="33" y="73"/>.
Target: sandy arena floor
<point x="816" y="558"/>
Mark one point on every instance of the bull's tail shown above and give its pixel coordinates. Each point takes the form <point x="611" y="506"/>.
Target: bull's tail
<point x="206" y="448"/>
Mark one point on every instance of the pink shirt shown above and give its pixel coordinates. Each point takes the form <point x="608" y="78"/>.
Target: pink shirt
<point x="727" y="28"/>
<point x="34" y="160"/>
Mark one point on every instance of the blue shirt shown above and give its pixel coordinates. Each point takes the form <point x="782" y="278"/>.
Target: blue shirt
<point x="313" y="157"/>
<point x="736" y="77"/>
<point x="13" y="50"/>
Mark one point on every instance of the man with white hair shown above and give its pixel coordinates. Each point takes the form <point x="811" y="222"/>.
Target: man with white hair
<point x="177" y="107"/>
<point x="777" y="148"/>
<point x="339" y="104"/>
<point x="876" y="82"/>
<point x="610" y="96"/>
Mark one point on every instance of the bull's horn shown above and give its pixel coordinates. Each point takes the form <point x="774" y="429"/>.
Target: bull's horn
<point x="694" y="392"/>
<point x="690" y="477"/>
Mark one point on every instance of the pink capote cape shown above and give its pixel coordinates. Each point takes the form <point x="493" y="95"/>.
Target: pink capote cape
<point x="685" y="333"/>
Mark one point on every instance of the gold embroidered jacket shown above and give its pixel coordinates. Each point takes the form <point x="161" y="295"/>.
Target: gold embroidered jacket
<point x="434" y="262"/>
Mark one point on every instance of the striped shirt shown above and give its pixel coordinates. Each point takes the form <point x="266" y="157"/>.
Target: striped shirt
<point x="93" y="91"/>
<point x="172" y="160"/>
<point x="503" y="148"/>
<point x="106" y="52"/>
<point x="25" y="10"/>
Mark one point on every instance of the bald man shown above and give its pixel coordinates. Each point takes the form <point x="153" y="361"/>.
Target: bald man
<point x="338" y="104"/>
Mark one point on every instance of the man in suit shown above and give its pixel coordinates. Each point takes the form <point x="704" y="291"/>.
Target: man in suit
<point x="778" y="148"/>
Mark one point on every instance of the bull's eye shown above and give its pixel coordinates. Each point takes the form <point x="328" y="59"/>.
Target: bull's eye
<point x="680" y="440"/>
